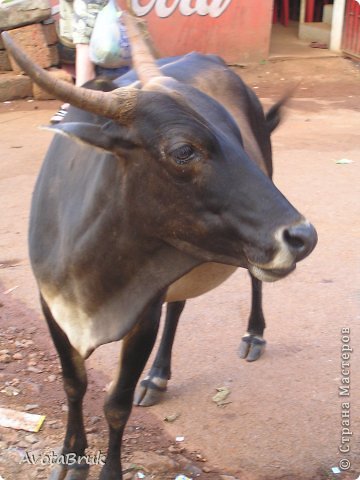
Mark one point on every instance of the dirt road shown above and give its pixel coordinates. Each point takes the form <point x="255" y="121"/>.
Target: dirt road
<point x="284" y="419"/>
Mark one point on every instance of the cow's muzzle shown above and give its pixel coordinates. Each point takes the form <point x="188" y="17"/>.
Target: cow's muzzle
<point x="300" y="239"/>
<point x="295" y="243"/>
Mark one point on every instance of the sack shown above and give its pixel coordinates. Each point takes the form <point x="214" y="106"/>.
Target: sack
<point x="109" y="46"/>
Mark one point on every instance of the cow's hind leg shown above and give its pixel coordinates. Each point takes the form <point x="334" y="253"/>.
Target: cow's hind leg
<point x="75" y="383"/>
<point x="253" y="344"/>
<point x="152" y="388"/>
<point x="136" y="348"/>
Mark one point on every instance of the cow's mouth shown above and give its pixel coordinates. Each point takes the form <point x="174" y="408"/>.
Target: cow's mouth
<point x="271" y="274"/>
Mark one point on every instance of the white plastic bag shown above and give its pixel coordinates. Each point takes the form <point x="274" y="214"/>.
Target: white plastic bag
<point x="109" y="45"/>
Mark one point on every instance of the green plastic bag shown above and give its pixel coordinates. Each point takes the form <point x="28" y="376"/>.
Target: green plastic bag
<point x="109" y="44"/>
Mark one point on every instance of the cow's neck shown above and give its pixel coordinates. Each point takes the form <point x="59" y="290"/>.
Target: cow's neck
<point x="115" y="315"/>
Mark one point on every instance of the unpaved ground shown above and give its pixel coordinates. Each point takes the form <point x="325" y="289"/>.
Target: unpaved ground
<point x="284" y="419"/>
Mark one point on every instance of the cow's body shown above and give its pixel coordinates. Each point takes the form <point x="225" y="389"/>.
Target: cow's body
<point x="77" y="266"/>
<point x="169" y="179"/>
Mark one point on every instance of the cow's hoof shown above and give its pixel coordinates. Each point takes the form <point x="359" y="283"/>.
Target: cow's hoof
<point x="58" y="472"/>
<point x="78" y="472"/>
<point x="150" y="391"/>
<point x="251" y="347"/>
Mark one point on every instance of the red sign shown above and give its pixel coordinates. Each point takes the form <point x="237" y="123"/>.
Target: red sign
<point x="164" y="8"/>
<point x="237" y="30"/>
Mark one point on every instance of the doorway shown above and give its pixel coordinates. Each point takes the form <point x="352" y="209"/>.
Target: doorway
<point x="301" y="28"/>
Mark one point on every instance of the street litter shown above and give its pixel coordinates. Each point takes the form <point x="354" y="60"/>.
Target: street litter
<point x="182" y="477"/>
<point x="336" y="470"/>
<point x="10" y="290"/>
<point x="180" y="439"/>
<point x="10" y="391"/>
<point x="140" y="475"/>
<point x="20" y="420"/>
<point x="220" y="397"/>
<point x="318" y="45"/>
<point x="172" y="417"/>
<point x="31" y="406"/>
<point x="344" y="161"/>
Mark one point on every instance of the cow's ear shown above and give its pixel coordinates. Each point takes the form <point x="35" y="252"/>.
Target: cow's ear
<point x="275" y="114"/>
<point x="109" y="137"/>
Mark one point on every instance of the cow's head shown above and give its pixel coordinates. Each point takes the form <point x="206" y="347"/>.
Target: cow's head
<point x="189" y="179"/>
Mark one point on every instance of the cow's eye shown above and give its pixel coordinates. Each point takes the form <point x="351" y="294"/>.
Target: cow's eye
<point x="183" y="154"/>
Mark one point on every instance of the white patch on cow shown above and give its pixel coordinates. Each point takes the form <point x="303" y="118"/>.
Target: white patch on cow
<point x="85" y="332"/>
<point x="200" y="280"/>
<point x="75" y="323"/>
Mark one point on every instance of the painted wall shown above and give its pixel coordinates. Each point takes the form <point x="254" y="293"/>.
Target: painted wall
<point x="237" y="30"/>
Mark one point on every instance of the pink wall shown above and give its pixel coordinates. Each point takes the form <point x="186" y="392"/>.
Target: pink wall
<point x="237" y="30"/>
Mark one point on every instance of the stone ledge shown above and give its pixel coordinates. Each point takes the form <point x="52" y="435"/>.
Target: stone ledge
<point x="14" y="86"/>
<point x="23" y="12"/>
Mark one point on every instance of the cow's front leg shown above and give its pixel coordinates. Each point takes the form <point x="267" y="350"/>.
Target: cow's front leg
<point x="253" y="344"/>
<point x="75" y="384"/>
<point x="136" y="348"/>
<point x="152" y="388"/>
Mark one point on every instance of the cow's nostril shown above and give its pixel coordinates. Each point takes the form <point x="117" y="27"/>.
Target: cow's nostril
<point x="295" y="241"/>
<point x="301" y="239"/>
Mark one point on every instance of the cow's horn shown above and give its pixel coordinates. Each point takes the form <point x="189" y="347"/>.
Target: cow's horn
<point x="143" y="60"/>
<point x="116" y="105"/>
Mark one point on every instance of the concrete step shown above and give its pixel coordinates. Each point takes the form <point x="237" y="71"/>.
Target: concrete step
<point x="315" y="32"/>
